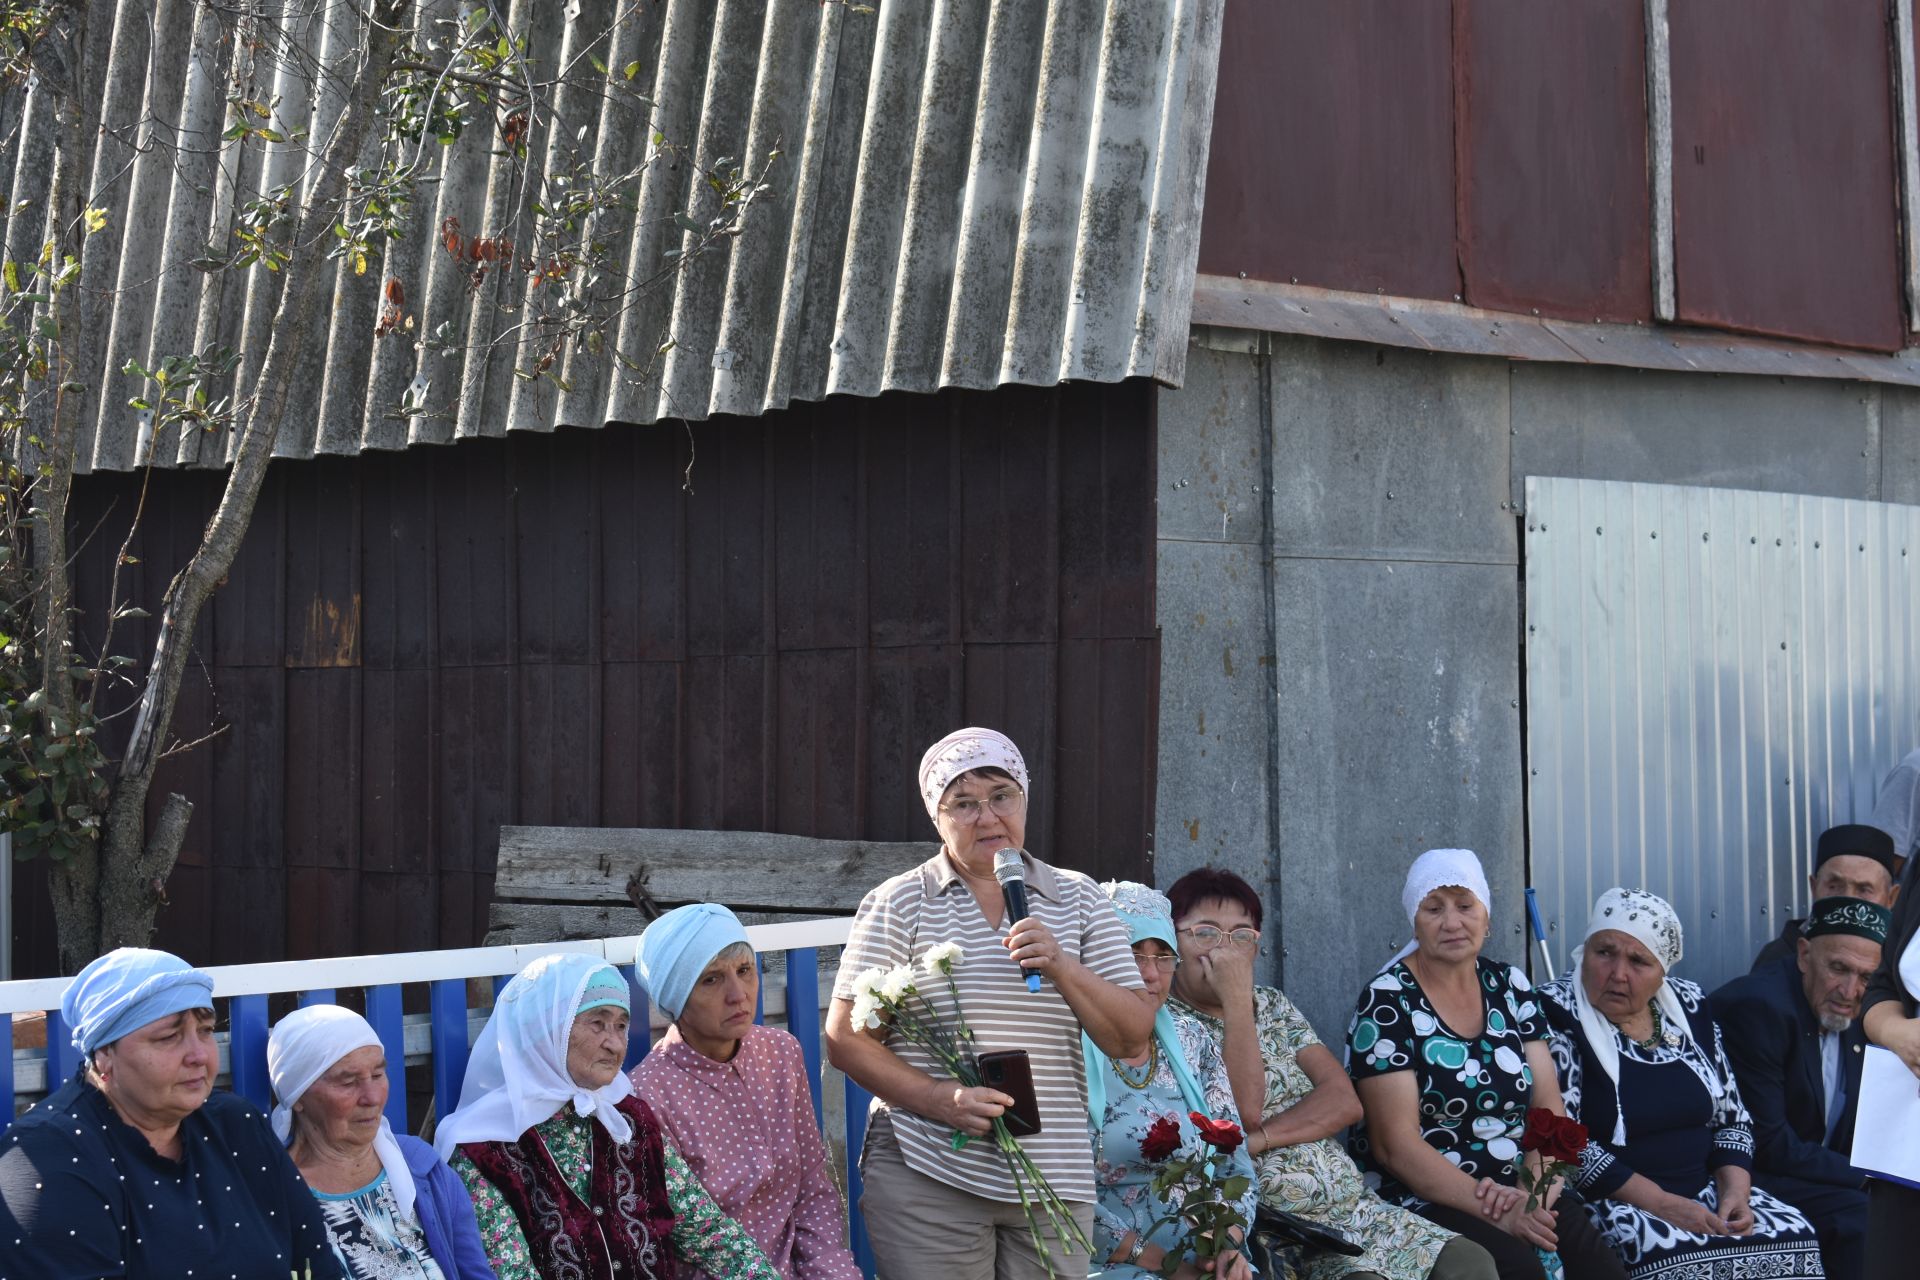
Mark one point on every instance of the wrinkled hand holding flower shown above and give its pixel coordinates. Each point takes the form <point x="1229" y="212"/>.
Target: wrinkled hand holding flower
<point x="1559" y="1140"/>
<point x="1198" y="1188"/>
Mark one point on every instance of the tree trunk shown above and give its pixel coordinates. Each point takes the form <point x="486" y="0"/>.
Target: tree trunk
<point x="115" y="903"/>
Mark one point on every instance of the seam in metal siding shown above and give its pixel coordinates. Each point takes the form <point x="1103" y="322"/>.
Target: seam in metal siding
<point x="1714" y="677"/>
<point x="971" y="193"/>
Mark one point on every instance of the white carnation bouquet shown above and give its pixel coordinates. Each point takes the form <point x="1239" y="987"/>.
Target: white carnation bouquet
<point x="893" y="999"/>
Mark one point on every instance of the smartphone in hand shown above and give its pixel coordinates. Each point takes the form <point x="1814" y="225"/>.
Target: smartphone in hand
<point x="1011" y="1072"/>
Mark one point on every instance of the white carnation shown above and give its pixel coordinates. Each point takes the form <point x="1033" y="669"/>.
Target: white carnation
<point x="866" y="1011"/>
<point x="943" y="957"/>
<point x="896" y="984"/>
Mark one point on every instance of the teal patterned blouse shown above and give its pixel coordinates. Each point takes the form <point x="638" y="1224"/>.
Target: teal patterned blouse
<point x="1474" y="1090"/>
<point x="703" y="1236"/>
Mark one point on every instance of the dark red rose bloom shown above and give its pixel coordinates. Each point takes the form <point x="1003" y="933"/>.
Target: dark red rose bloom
<point x="1162" y="1140"/>
<point x="1222" y="1135"/>
<point x="1553" y="1135"/>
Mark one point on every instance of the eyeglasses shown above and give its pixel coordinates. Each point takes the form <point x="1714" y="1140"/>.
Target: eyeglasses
<point x="1206" y="937"/>
<point x="967" y="812"/>
<point x="1164" y="963"/>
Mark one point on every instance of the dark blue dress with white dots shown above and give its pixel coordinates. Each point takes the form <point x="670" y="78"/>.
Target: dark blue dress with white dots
<point x="84" y="1195"/>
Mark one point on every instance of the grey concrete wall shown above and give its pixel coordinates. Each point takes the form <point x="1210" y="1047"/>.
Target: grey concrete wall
<point x="1340" y="602"/>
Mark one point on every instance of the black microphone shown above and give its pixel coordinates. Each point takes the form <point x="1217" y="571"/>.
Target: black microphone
<point x="1012" y="876"/>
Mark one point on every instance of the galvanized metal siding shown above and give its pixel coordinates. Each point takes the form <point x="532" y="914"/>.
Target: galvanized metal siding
<point x="1714" y="676"/>
<point x="972" y="193"/>
<point x="417" y="647"/>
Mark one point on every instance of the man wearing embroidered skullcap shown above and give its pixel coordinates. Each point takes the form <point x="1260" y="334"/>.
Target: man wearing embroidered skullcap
<point x="1793" y="1032"/>
<point x="1850" y="861"/>
<point x="135" y="1167"/>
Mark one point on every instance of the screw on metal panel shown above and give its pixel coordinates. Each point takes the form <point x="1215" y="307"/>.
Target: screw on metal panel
<point x="1816" y="545"/>
<point x="1393" y="319"/>
<point x="1536" y="311"/>
<point x="1543" y="526"/>
<point x="1389" y="495"/>
<point x="1713" y="915"/>
<point x="1243" y="275"/>
<point x="1783" y="644"/>
<point x="1863" y="546"/>
<point x="1598" y="531"/>
<point x="1763" y="911"/>
<point x="1296" y="279"/>
<point x="1776" y="542"/>
<point x="1513" y="702"/>
<point x="1654" y="534"/>
<point x="1534" y="772"/>
<point x="1753" y="541"/>
<point x="1531" y="627"/>
<point x="1456" y="297"/>
<point x="1305" y="310"/>
<point x="1703" y="537"/>
<point x="1603" y="337"/>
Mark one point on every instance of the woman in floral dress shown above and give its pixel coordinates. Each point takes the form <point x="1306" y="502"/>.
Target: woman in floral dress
<point x="1141" y="1114"/>
<point x="1294" y="1098"/>
<point x="568" y="1171"/>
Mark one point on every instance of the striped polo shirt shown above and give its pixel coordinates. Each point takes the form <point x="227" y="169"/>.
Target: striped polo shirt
<point x="918" y="909"/>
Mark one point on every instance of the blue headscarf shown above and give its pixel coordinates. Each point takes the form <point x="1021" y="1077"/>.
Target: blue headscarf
<point x="677" y="948"/>
<point x="126" y="989"/>
<point x="1147" y="914"/>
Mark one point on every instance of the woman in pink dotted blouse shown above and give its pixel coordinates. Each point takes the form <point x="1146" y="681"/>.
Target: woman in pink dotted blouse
<point x="733" y="1096"/>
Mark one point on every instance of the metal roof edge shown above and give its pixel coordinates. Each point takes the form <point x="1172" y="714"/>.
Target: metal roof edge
<point x="1457" y="329"/>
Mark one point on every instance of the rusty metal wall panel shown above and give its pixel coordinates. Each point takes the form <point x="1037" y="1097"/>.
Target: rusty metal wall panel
<point x="1714" y="677"/>
<point x="417" y="647"/>
<point x="971" y="194"/>
<point x="1332" y="159"/>
<point x="1784" y="191"/>
<point x="1552" y="149"/>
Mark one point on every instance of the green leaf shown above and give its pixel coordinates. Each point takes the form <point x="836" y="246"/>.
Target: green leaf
<point x="12" y="271"/>
<point x="633" y="69"/>
<point x="685" y="223"/>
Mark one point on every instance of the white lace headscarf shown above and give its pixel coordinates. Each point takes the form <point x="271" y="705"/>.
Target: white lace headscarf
<point x="517" y="1075"/>
<point x="1439" y="869"/>
<point x="305" y="1045"/>
<point x="1649" y="920"/>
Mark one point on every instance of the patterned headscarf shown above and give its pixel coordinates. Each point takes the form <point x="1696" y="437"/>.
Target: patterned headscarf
<point x="963" y="751"/>
<point x="1650" y="921"/>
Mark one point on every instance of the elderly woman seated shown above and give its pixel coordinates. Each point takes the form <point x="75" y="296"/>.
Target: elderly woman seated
<point x="567" y="1169"/>
<point x="394" y="1209"/>
<point x="1136" y="1233"/>
<point x="1667" y="1172"/>
<point x="1293" y="1097"/>
<point x="733" y="1096"/>
<point x="135" y="1167"/>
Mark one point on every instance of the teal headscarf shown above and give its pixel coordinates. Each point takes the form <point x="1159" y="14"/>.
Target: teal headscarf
<point x="1147" y="914"/>
<point x="125" y="990"/>
<point x="677" y="948"/>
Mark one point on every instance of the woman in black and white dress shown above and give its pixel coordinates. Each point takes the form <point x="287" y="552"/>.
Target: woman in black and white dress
<point x="1667" y="1171"/>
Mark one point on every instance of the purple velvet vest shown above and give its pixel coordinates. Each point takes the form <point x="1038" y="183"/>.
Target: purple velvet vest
<point x="619" y="1233"/>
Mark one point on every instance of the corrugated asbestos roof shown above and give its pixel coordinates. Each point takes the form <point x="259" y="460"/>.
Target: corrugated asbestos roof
<point x="971" y="193"/>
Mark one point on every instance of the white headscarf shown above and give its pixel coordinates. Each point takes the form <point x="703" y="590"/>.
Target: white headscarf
<point x="963" y="751"/>
<point x="1650" y="921"/>
<point x="517" y="1075"/>
<point x="304" y="1046"/>
<point x="1439" y="869"/>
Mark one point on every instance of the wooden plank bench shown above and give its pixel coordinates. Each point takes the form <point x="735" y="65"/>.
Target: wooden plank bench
<point x="601" y="882"/>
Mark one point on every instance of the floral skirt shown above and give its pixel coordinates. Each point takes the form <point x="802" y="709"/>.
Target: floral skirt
<point x="1782" y="1243"/>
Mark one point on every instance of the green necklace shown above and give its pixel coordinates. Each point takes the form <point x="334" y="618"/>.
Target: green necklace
<point x="1659" y="1032"/>
<point x="1153" y="1064"/>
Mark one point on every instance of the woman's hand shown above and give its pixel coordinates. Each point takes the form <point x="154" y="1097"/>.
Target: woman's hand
<point x="1535" y="1226"/>
<point x="1033" y="945"/>
<point x="1230" y="971"/>
<point x="1232" y="1265"/>
<point x="1495" y="1198"/>
<point x="970" y="1110"/>
<point x="1735" y="1190"/>
<point x="1691" y="1215"/>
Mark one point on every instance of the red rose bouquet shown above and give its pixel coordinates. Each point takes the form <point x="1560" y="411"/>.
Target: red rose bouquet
<point x="1559" y="1141"/>
<point x="1198" y="1187"/>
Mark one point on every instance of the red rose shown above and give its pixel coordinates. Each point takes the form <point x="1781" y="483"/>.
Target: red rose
<point x="1223" y="1135"/>
<point x="1162" y="1140"/>
<point x="1553" y="1135"/>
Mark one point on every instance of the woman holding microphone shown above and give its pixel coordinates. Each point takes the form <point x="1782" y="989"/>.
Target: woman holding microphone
<point x="930" y="1195"/>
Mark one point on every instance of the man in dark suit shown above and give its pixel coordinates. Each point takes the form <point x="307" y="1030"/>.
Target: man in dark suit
<point x="1793" y="1033"/>
<point x="1851" y="861"/>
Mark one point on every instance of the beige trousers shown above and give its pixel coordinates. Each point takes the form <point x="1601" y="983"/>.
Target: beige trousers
<point x="920" y="1227"/>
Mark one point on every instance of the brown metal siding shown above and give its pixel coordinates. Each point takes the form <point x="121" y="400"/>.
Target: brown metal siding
<point x="1332" y="159"/>
<point x="415" y="648"/>
<point x="1783" y="170"/>
<point x="1551" y="102"/>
